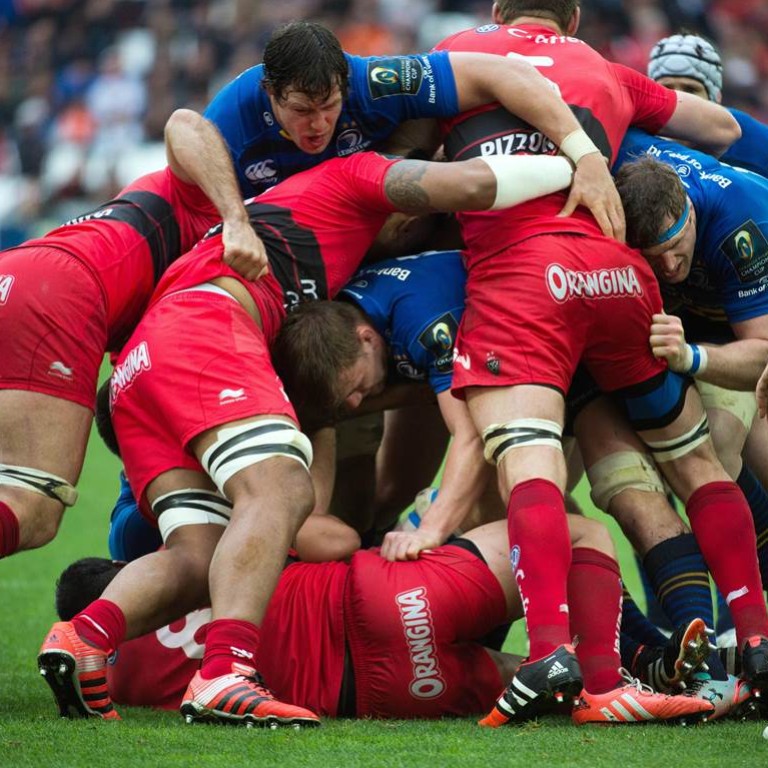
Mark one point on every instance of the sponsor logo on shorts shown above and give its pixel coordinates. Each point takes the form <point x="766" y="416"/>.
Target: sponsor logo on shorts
<point x="566" y="284"/>
<point x="59" y="370"/>
<point x="416" y="618"/>
<point x="264" y="170"/>
<point x="462" y="360"/>
<point x="493" y="364"/>
<point x="6" y="283"/>
<point x="136" y="361"/>
<point x="228" y="396"/>
<point x="350" y="141"/>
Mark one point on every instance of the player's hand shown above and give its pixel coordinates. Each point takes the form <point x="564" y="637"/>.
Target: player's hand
<point x="406" y="545"/>
<point x="762" y="394"/>
<point x="593" y="188"/>
<point x="244" y="251"/>
<point x="668" y="342"/>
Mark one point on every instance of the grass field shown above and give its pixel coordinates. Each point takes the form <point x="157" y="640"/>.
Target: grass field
<point x="31" y="735"/>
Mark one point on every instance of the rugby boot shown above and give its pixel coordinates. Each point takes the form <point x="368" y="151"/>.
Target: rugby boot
<point x="76" y="673"/>
<point x="636" y="702"/>
<point x="754" y="662"/>
<point x="240" y="698"/>
<point x="730" y="696"/>
<point x="535" y="685"/>
<point x="668" y="667"/>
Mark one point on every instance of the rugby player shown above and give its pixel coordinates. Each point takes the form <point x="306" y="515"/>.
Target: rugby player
<point x="528" y="321"/>
<point x="209" y="439"/>
<point x="78" y="292"/>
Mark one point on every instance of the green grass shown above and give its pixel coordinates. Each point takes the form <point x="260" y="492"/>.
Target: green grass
<point x="31" y="735"/>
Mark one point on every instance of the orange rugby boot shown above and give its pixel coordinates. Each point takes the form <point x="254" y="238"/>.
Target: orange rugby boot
<point x="76" y="673"/>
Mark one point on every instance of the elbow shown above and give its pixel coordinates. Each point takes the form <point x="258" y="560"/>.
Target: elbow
<point x="181" y="120"/>
<point x="728" y="133"/>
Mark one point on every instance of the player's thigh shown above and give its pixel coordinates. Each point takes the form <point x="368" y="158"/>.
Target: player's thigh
<point x="756" y="450"/>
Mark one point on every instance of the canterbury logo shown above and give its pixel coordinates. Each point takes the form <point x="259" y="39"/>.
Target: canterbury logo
<point x="231" y="395"/>
<point x="61" y="369"/>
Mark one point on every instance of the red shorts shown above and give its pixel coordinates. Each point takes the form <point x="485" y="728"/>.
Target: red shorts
<point x="196" y="361"/>
<point x="410" y="629"/>
<point x="53" y="325"/>
<point x="534" y="310"/>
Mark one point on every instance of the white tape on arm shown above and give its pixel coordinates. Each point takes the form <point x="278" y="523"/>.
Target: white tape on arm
<point x="577" y="144"/>
<point x="524" y="177"/>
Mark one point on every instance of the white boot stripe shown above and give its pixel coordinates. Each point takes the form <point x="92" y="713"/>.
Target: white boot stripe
<point x="635" y="704"/>
<point x="625" y="713"/>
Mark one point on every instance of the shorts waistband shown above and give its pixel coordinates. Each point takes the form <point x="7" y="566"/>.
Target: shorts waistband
<point x="205" y="288"/>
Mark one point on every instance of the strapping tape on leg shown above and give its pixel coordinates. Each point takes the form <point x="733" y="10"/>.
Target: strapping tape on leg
<point x="669" y="450"/>
<point x="741" y="405"/>
<point x="190" y="506"/>
<point x="626" y="470"/>
<point x="40" y="482"/>
<point x="521" y="433"/>
<point x="239" y="447"/>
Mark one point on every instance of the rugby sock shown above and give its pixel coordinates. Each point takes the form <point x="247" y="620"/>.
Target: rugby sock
<point x="9" y="531"/>
<point x="724" y="622"/>
<point x="757" y="498"/>
<point x="636" y="625"/>
<point x="229" y="641"/>
<point x="594" y="597"/>
<point x="653" y="610"/>
<point x="721" y="520"/>
<point x="101" y="624"/>
<point x="541" y="549"/>
<point x="680" y="578"/>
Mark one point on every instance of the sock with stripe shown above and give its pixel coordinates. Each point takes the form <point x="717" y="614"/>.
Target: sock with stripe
<point x="9" y="531"/>
<point x="101" y="624"/>
<point x="594" y="597"/>
<point x="229" y="641"/>
<point x="541" y="549"/>
<point x="757" y="498"/>
<point x="723" y="526"/>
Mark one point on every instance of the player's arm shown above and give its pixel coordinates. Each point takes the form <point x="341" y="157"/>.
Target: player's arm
<point x="464" y="479"/>
<point x="522" y="90"/>
<point x="737" y="365"/>
<point x="480" y="184"/>
<point x="197" y="155"/>
<point x="703" y="124"/>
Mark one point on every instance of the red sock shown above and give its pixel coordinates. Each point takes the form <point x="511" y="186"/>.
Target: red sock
<point x="101" y="624"/>
<point x="9" y="531"/>
<point x="229" y="641"/>
<point x="541" y="557"/>
<point x="594" y="596"/>
<point x="723" y="526"/>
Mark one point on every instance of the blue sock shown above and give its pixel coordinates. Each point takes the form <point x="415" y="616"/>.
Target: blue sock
<point x="653" y="610"/>
<point x="757" y="498"/>
<point x="635" y="625"/>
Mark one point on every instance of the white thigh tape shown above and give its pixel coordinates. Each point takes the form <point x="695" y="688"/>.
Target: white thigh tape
<point x="621" y="472"/>
<point x="239" y="447"/>
<point x="677" y="447"/>
<point x="190" y="506"/>
<point x="40" y="482"/>
<point x="521" y="433"/>
<point x="741" y="405"/>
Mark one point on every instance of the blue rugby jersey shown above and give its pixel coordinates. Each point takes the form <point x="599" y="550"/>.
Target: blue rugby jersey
<point x="728" y="282"/>
<point x="383" y="92"/>
<point x="415" y="303"/>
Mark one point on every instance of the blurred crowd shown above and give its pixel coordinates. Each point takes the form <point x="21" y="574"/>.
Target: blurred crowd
<point x="86" y="85"/>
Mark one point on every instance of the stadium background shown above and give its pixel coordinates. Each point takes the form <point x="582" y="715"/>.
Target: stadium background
<point x="85" y="88"/>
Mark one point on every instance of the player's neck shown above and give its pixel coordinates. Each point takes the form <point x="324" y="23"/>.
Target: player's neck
<point x="520" y="21"/>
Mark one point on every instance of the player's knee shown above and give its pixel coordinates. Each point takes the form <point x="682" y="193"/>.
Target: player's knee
<point x="39" y="522"/>
<point x="590" y="534"/>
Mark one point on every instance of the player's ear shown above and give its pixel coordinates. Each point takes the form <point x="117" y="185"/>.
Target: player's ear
<point x="573" y="24"/>
<point x="365" y="333"/>
<point x="496" y="14"/>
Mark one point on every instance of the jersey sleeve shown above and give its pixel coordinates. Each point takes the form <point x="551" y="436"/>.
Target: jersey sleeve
<point x="654" y="104"/>
<point x="398" y="88"/>
<point x="751" y="150"/>
<point x="366" y="173"/>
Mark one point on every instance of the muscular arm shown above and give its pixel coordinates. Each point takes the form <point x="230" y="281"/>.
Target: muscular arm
<point x="736" y="365"/>
<point x="464" y="478"/>
<point x="705" y="125"/>
<point x="197" y="155"/>
<point x="521" y="89"/>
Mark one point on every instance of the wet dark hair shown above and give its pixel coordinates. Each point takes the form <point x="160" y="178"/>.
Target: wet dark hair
<point x="560" y="11"/>
<point x="103" y="419"/>
<point x="650" y="191"/>
<point x="81" y="583"/>
<point x="306" y="57"/>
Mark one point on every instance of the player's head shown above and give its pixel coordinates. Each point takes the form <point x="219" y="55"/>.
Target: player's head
<point x="687" y="63"/>
<point x="82" y="582"/>
<point x="661" y="221"/>
<point x="306" y="76"/>
<point x="329" y="358"/>
<point x="565" y="13"/>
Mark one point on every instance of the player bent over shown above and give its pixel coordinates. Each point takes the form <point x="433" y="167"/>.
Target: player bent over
<point x="210" y="442"/>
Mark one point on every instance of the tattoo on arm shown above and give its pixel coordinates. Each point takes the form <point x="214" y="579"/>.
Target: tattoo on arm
<point x="403" y="186"/>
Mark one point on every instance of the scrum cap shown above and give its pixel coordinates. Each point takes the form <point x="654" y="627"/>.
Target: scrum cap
<point x="688" y="56"/>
